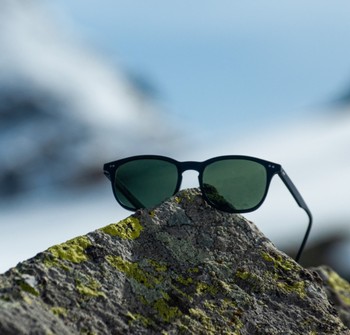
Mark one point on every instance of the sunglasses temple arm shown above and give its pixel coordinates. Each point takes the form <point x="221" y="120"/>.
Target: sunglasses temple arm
<point x="133" y="200"/>
<point x="300" y="201"/>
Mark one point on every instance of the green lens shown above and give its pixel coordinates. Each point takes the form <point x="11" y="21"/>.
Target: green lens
<point x="235" y="184"/>
<point x="145" y="183"/>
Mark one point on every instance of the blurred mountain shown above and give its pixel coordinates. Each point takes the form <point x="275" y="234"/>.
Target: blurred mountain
<point x="64" y="109"/>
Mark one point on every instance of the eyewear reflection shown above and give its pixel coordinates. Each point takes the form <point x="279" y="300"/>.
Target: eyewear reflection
<point x="234" y="184"/>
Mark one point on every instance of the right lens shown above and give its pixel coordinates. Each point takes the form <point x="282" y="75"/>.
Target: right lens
<point x="145" y="182"/>
<point x="235" y="185"/>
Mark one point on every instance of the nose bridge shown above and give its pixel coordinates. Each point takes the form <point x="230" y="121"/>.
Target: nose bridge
<point x="190" y="165"/>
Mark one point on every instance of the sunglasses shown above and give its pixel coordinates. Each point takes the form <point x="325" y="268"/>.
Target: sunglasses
<point x="234" y="184"/>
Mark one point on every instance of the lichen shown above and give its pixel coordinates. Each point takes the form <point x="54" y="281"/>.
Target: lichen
<point x="129" y="228"/>
<point x="136" y="317"/>
<point x="184" y="281"/>
<point x="279" y="262"/>
<point x="204" y="319"/>
<point x="72" y="251"/>
<point x="181" y="249"/>
<point x="202" y="288"/>
<point x="285" y="265"/>
<point x="297" y="287"/>
<point x="28" y="288"/>
<point x="157" y="266"/>
<point x="340" y="286"/>
<point x="166" y="312"/>
<point x="59" y="311"/>
<point x="90" y="289"/>
<point x="255" y="282"/>
<point x="133" y="270"/>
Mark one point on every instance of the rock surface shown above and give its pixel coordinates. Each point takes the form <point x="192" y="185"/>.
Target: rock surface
<point x="181" y="268"/>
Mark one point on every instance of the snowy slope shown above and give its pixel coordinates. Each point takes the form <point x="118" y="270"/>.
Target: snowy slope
<point x="64" y="110"/>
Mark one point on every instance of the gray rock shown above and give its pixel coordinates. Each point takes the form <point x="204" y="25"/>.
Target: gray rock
<point x="150" y="274"/>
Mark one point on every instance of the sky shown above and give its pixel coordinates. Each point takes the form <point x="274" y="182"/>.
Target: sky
<point x="224" y="65"/>
<point x="236" y="78"/>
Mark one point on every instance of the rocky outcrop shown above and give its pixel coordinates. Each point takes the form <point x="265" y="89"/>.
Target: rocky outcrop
<point x="181" y="268"/>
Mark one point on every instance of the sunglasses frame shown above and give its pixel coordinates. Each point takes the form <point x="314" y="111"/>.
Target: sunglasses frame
<point x="272" y="169"/>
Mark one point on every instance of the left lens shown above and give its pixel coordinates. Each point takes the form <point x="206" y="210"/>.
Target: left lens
<point x="145" y="182"/>
<point x="234" y="185"/>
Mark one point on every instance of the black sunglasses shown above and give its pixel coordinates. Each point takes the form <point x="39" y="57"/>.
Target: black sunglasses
<point x="234" y="184"/>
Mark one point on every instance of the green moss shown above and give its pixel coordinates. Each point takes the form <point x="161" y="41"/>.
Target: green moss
<point x="129" y="228"/>
<point x="133" y="270"/>
<point x="72" y="251"/>
<point x="340" y="286"/>
<point x="59" y="311"/>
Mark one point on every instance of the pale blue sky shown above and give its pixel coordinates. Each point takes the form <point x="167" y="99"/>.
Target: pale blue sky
<point x="219" y="64"/>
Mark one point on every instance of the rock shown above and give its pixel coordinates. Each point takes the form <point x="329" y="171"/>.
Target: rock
<point x="181" y="268"/>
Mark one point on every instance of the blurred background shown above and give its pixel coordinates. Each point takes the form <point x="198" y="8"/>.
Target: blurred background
<point x="83" y="83"/>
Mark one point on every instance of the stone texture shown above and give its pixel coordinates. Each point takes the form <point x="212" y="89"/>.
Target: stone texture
<point x="181" y="268"/>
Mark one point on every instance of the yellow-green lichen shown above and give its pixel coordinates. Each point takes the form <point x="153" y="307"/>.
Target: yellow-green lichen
<point x="217" y="314"/>
<point x="166" y="312"/>
<point x="202" y="288"/>
<point x="204" y="319"/>
<point x="284" y="264"/>
<point x="243" y="274"/>
<point x="157" y="266"/>
<point x="59" y="311"/>
<point x="91" y="288"/>
<point x="177" y="199"/>
<point x="129" y="228"/>
<point x="340" y="286"/>
<point x="28" y="288"/>
<point x="297" y="287"/>
<point x="136" y="317"/>
<point x="184" y="281"/>
<point x="72" y="251"/>
<point x="133" y="270"/>
<point x="279" y="262"/>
